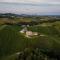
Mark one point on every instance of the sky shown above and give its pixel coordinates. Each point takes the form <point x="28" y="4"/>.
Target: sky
<point x="43" y="7"/>
<point x="32" y="1"/>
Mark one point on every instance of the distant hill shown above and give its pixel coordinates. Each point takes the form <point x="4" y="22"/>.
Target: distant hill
<point x="24" y="15"/>
<point x="7" y="15"/>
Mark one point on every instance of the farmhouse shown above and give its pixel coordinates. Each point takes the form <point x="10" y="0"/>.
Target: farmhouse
<point x="23" y="30"/>
<point x="28" y="33"/>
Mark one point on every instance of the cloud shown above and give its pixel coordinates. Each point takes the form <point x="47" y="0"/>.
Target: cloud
<point x="33" y="1"/>
<point x="30" y="6"/>
<point x="29" y="9"/>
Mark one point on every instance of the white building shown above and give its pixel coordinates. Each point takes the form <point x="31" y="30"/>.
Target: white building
<point x="23" y="30"/>
<point x="28" y="33"/>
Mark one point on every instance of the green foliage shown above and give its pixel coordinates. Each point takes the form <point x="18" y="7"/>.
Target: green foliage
<point x="33" y="54"/>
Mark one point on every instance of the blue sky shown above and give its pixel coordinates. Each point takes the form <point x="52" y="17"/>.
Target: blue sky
<point x="43" y="7"/>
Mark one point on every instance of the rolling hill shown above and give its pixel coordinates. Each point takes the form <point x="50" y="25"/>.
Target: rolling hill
<point x="12" y="41"/>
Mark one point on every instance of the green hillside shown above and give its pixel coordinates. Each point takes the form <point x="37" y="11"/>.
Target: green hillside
<point x="12" y="41"/>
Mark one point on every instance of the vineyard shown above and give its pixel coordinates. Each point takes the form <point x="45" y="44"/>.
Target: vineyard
<point x="12" y="41"/>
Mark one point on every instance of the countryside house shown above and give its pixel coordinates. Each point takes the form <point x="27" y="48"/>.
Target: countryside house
<point x="28" y="33"/>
